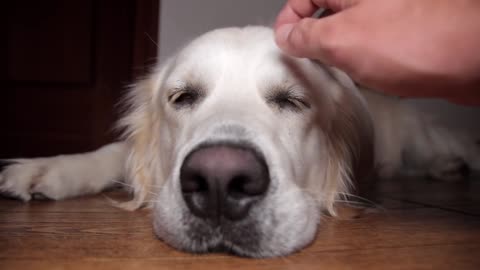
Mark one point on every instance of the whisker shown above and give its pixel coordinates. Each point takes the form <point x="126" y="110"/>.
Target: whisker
<point x="360" y="201"/>
<point x="151" y="39"/>
<point x="353" y="203"/>
<point x="132" y="187"/>
<point x="358" y="197"/>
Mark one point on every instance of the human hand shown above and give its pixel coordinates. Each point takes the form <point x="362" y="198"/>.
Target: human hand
<point x="414" y="48"/>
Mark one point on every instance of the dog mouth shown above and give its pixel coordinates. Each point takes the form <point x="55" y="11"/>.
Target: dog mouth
<point x="231" y="237"/>
<point x="200" y="235"/>
<point x="223" y="185"/>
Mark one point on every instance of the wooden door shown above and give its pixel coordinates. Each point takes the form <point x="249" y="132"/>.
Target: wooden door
<point x="64" y="66"/>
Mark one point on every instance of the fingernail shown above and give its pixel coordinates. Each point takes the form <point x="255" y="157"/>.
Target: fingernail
<point x="283" y="32"/>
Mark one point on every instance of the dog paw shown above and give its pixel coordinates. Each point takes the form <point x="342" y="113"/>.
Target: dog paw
<point x="450" y="170"/>
<point x="19" y="178"/>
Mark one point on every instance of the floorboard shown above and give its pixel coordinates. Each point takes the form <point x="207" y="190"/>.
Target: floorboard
<point x="416" y="224"/>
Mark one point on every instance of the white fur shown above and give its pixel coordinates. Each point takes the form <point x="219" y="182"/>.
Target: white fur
<point x="314" y="154"/>
<point x="65" y="175"/>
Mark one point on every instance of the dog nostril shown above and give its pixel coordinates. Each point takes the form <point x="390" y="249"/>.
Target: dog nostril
<point x="242" y="186"/>
<point x="236" y="187"/>
<point x="195" y="191"/>
<point x="194" y="183"/>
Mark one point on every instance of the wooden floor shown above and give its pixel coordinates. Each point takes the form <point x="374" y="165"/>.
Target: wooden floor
<point x="418" y="224"/>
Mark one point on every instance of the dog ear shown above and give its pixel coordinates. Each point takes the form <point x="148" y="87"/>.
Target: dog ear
<point x="141" y="119"/>
<point x="350" y="139"/>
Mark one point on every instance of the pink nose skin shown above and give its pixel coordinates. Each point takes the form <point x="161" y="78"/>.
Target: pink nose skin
<point x="223" y="181"/>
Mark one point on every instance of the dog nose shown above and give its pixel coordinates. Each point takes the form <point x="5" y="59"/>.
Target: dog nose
<point x="223" y="181"/>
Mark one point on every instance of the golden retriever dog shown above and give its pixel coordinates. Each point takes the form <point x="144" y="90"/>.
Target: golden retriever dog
<point x="238" y="147"/>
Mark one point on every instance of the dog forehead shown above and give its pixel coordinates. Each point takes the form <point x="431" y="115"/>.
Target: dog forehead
<point x="248" y="39"/>
<point x="236" y="55"/>
<point x="228" y="49"/>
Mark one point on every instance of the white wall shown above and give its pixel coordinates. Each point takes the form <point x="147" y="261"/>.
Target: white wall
<point x="183" y="20"/>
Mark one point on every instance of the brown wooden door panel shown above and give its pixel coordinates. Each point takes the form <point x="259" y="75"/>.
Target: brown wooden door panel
<point x="64" y="66"/>
<point x="50" y="41"/>
<point x="38" y="110"/>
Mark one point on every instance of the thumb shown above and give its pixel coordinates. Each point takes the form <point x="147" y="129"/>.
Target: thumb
<point x="310" y="38"/>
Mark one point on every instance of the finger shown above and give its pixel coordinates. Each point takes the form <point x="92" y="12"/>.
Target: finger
<point x="311" y="38"/>
<point x="302" y="36"/>
<point x="295" y="10"/>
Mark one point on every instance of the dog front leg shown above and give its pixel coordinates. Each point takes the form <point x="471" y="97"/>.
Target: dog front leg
<point x="64" y="176"/>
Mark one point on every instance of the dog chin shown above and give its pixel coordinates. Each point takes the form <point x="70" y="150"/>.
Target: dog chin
<point x="276" y="227"/>
<point x="229" y="240"/>
<point x="201" y="236"/>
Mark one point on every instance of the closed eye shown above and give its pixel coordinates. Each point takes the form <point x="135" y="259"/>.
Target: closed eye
<point x="184" y="98"/>
<point x="287" y="100"/>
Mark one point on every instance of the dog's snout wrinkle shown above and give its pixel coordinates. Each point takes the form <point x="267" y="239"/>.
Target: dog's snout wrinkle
<point x="232" y="129"/>
<point x="223" y="181"/>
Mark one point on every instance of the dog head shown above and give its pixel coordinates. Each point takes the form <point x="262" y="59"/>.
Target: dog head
<point x="242" y="146"/>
